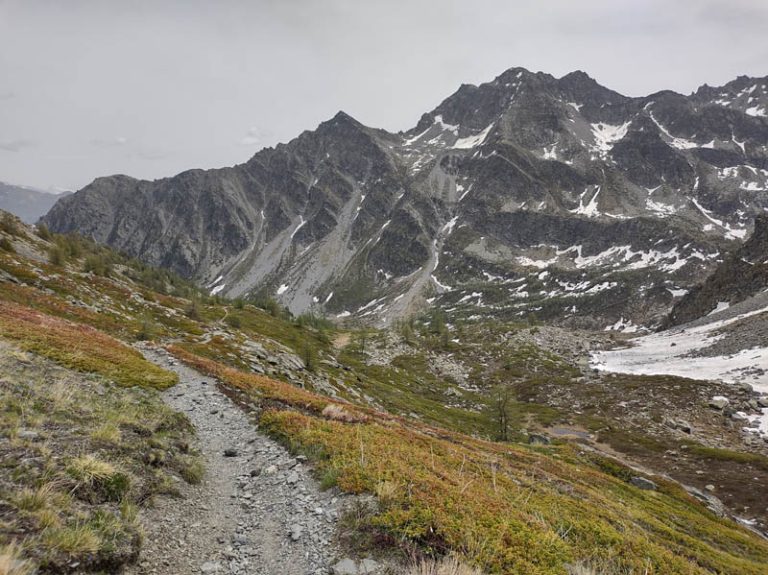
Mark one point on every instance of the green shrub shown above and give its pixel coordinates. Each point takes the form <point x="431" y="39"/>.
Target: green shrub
<point x="98" y="265"/>
<point x="56" y="255"/>
<point x="9" y="224"/>
<point x="43" y="232"/>
<point x="6" y="245"/>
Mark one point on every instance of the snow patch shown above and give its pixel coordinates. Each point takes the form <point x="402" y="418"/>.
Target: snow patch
<point x="625" y="326"/>
<point x="730" y="232"/>
<point x="448" y="228"/>
<point x="606" y="135"/>
<point x="473" y="141"/>
<point x="669" y="352"/>
<point x="449" y="127"/>
<point x="677" y="292"/>
<point x="590" y="210"/>
<point x="301" y="224"/>
<point x="721" y="306"/>
<point x="675" y="142"/>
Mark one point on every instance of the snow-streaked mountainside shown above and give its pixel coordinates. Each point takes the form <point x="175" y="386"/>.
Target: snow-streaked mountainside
<point x="719" y="329"/>
<point x="743" y="273"/>
<point x="28" y="204"/>
<point x="527" y="194"/>
<point x="728" y="345"/>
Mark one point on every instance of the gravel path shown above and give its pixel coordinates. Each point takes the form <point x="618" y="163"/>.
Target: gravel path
<point x="257" y="511"/>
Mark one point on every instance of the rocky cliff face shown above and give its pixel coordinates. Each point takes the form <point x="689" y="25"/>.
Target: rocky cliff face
<point x="743" y="274"/>
<point x="527" y="194"/>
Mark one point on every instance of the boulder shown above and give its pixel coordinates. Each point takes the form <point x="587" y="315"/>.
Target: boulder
<point x="538" y="439"/>
<point x="643" y="483"/>
<point x="295" y="532"/>
<point x="719" y="402"/>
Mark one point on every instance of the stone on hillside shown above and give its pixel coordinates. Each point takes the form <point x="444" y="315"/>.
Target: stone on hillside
<point x="27" y="434"/>
<point x="679" y="424"/>
<point x="745" y="387"/>
<point x="719" y="402"/>
<point x="348" y="566"/>
<point x="710" y="501"/>
<point x="231" y="453"/>
<point x="210" y="567"/>
<point x="295" y="531"/>
<point x="643" y="483"/>
<point x="762" y="401"/>
<point x="538" y="439"/>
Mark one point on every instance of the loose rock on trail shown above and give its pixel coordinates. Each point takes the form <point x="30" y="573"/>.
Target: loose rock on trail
<point x="257" y="510"/>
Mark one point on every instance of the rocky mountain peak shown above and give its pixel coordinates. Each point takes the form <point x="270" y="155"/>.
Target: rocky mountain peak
<point x="525" y="194"/>
<point x="745" y="94"/>
<point x="581" y="87"/>
<point x="341" y="117"/>
<point x="517" y="73"/>
<point x="341" y="124"/>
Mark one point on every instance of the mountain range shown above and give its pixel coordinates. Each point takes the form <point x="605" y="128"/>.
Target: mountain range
<point x="29" y="204"/>
<point x="525" y="196"/>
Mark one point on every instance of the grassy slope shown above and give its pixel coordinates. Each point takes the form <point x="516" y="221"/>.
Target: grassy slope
<point x="85" y="443"/>
<point x="80" y="455"/>
<point x="508" y="506"/>
<point x="80" y="347"/>
<point x="511" y="508"/>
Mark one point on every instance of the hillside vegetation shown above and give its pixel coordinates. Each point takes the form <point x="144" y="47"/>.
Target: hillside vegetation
<point x="419" y="439"/>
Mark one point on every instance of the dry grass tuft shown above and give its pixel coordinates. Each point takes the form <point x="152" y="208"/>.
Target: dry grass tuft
<point x="192" y="470"/>
<point x="107" y="433"/>
<point x="77" y="540"/>
<point x="47" y="496"/>
<point x="340" y="413"/>
<point x="12" y="563"/>
<point x="89" y="470"/>
<point x="596" y="568"/>
<point x="386" y="492"/>
<point x="450" y="565"/>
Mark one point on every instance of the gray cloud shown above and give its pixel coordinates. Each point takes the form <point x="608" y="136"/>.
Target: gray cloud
<point x="152" y="155"/>
<point x="736" y="18"/>
<point x="16" y="145"/>
<point x="256" y="137"/>
<point x="115" y="142"/>
<point x="190" y="83"/>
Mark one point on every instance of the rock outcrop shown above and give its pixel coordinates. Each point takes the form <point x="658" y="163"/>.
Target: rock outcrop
<point x="742" y="274"/>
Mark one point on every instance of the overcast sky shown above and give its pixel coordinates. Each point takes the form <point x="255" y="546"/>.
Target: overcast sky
<point x="148" y="89"/>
